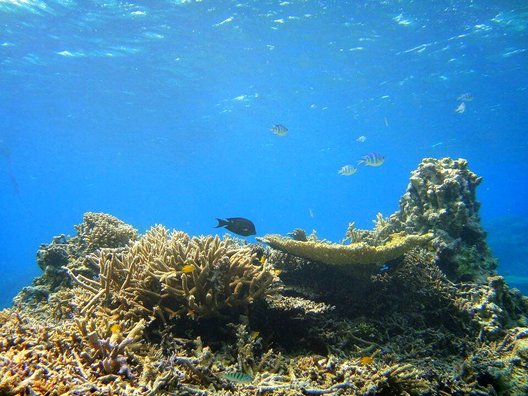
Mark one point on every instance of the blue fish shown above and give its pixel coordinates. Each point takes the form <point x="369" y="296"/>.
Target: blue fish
<point x="372" y="159"/>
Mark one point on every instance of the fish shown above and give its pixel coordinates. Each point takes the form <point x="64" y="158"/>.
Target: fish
<point x="366" y="360"/>
<point x="237" y="225"/>
<point x="115" y="328"/>
<point x="187" y="269"/>
<point x="361" y="139"/>
<point x="461" y="108"/>
<point x="372" y="159"/>
<point x="347" y="170"/>
<point x="254" y="335"/>
<point x="465" y="97"/>
<point x="279" y="129"/>
<point x="238" y="376"/>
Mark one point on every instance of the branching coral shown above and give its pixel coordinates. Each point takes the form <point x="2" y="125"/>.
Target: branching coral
<point x="47" y="357"/>
<point x="172" y="274"/>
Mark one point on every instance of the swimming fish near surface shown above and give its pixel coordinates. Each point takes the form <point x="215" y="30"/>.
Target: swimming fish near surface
<point x="372" y="159"/>
<point x="361" y="139"/>
<point x="238" y="376"/>
<point x="238" y="225"/>
<point x="461" y="108"/>
<point x="465" y="97"/>
<point x="279" y="129"/>
<point x="347" y="170"/>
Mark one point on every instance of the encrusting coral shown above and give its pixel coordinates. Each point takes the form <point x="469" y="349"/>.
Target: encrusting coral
<point x="441" y="198"/>
<point x="165" y="313"/>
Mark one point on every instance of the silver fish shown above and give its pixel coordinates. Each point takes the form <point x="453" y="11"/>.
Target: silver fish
<point x="465" y="97"/>
<point x="461" y="108"/>
<point x="372" y="159"/>
<point x="361" y="139"/>
<point x="347" y="170"/>
<point x="279" y="130"/>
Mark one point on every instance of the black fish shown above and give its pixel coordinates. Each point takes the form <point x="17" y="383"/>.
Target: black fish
<point x="238" y="225"/>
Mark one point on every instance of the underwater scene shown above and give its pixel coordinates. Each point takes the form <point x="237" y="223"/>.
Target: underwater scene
<point x="228" y="197"/>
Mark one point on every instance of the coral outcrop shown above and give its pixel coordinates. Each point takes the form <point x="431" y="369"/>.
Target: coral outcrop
<point x="441" y="198"/>
<point x="171" y="274"/>
<point x="439" y="205"/>
<point x="163" y="313"/>
<point x="98" y="230"/>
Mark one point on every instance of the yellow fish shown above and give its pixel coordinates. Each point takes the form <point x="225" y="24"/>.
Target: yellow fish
<point x="187" y="269"/>
<point x="115" y="328"/>
<point x="254" y="335"/>
<point x="276" y="271"/>
<point x="262" y="259"/>
<point x="366" y="360"/>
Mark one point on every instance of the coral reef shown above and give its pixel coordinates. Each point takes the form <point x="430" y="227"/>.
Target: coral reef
<point x="440" y="201"/>
<point x="101" y="230"/>
<point x="360" y="255"/>
<point x="172" y="274"/>
<point x="441" y="198"/>
<point x="98" y="230"/>
<point x="163" y="313"/>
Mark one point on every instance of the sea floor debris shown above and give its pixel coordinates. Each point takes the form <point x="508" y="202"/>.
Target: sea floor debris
<point x="164" y="313"/>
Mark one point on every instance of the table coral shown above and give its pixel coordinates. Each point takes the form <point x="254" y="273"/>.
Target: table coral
<point x="365" y="258"/>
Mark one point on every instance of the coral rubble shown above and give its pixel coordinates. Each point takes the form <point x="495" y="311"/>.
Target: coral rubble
<point x="163" y="313"/>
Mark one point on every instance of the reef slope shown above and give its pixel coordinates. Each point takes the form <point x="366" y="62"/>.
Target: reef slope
<point x="163" y="313"/>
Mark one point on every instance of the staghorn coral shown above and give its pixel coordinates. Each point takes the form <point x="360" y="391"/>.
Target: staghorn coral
<point x="492" y="307"/>
<point x="98" y="230"/>
<point x="384" y="228"/>
<point x="39" y="355"/>
<point x="172" y="274"/>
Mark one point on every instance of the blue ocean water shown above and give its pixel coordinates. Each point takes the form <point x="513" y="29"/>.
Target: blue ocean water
<point x="160" y="112"/>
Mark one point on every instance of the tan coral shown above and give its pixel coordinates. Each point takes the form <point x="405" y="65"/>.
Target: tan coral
<point x="101" y="230"/>
<point x="172" y="274"/>
<point x="365" y="258"/>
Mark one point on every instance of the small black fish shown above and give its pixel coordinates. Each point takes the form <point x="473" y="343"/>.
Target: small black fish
<point x="238" y="225"/>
